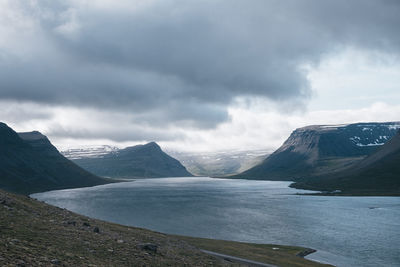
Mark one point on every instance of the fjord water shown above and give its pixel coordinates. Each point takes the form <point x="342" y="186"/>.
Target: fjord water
<point x="346" y="231"/>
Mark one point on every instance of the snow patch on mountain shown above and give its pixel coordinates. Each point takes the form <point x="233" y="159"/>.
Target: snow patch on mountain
<point x="394" y="126"/>
<point x="88" y="151"/>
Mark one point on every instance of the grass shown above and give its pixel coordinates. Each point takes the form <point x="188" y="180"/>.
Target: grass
<point x="266" y="253"/>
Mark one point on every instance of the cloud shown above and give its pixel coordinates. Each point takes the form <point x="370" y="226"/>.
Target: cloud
<point x="83" y="123"/>
<point x="18" y="112"/>
<point x="179" y="63"/>
<point x="268" y="129"/>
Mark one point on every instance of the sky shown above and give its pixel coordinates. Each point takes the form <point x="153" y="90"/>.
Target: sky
<point x="206" y="75"/>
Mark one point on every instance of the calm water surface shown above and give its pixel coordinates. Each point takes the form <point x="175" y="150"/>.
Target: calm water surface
<point x="346" y="231"/>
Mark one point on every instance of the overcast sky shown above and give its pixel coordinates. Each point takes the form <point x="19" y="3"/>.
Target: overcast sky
<point x="196" y="75"/>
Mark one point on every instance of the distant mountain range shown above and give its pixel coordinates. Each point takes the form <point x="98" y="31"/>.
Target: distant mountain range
<point x="378" y="173"/>
<point x="220" y="163"/>
<point x="142" y="161"/>
<point x="322" y="149"/>
<point x="29" y="163"/>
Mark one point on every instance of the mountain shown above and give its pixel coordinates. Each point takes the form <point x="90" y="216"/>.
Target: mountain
<point x="29" y="163"/>
<point x="379" y="173"/>
<point x="142" y="161"/>
<point x="322" y="149"/>
<point x="221" y="163"/>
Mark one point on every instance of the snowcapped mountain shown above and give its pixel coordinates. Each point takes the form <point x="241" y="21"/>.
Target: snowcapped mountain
<point x="377" y="174"/>
<point x="319" y="149"/>
<point x="141" y="161"/>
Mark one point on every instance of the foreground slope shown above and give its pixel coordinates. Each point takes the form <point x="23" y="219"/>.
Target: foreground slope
<point x="30" y="163"/>
<point x="379" y="173"/>
<point x="322" y="149"/>
<point x="142" y="161"/>
<point x="33" y="233"/>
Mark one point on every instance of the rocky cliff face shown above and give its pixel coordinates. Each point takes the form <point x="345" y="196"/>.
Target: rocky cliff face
<point x="30" y="163"/>
<point x="322" y="149"/>
<point x="142" y="161"/>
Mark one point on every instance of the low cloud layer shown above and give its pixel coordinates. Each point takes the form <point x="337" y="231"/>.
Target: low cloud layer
<point x="249" y="129"/>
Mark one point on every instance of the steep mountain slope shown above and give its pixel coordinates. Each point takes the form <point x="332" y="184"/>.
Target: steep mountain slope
<point x="30" y="163"/>
<point x="322" y="149"/>
<point x="142" y="161"/>
<point x="379" y="173"/>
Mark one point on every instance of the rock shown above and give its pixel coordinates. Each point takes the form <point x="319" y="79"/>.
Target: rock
<point x="20" y="263"/>
<point x="71" y="223"/>
<point x="55" y="261"/>
<point x="6" y="201"/>
<point x="8" y="208"/>
<point x="86" y="224"/>
<point x="149" y="247"/>
<point x="96" y="230"/>
<point x="305" y="252"/>
<point x="120" y="241"/>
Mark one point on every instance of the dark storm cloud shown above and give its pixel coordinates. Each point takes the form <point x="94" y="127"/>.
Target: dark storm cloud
<point x="182" y="61"/>
<point x="118" y="134"/>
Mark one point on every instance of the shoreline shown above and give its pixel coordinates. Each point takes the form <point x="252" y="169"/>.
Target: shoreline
<point x="30" y="227"/>
<point x="347" y="195"/>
